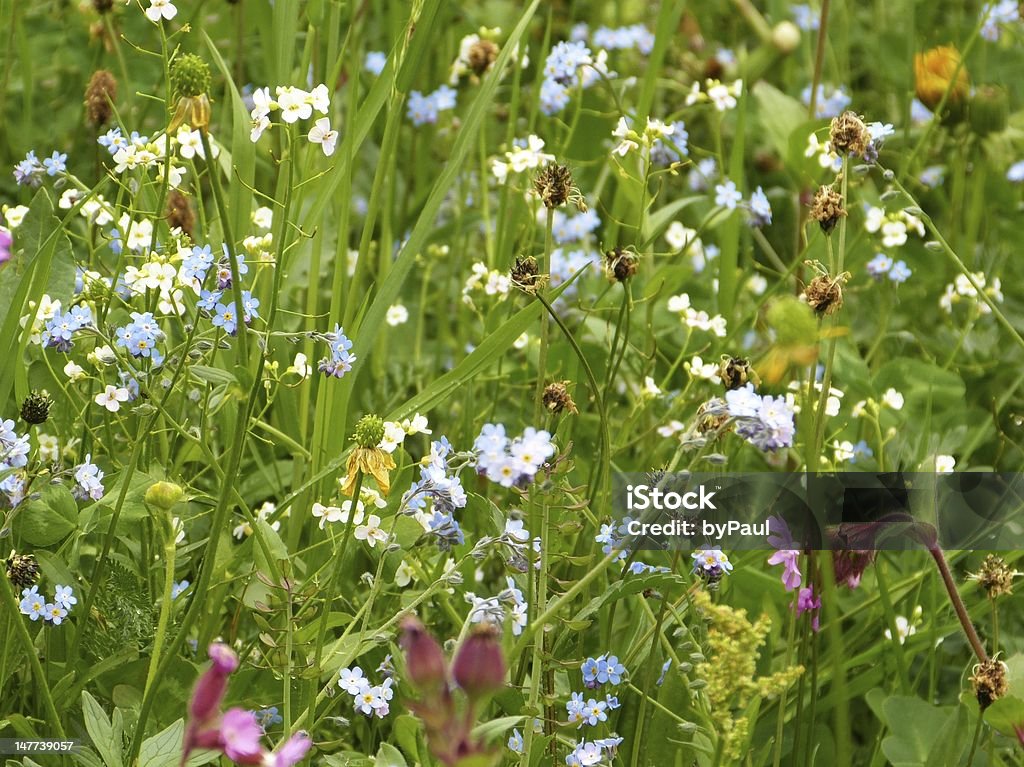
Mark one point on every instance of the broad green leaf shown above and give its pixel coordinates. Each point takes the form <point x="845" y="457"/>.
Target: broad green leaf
<point x="48" y="519"/>
<point x="779" y="115"/>
<point x="101" y="732"/>
<point x="389" y="756"/>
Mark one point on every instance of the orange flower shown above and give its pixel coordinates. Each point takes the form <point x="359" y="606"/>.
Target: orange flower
<point x="933" y="74"/>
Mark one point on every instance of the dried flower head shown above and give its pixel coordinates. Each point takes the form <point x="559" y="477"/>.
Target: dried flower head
<point x="368" y="457"/>
<point x="989" y="682"/>
<point x="22" y="570"/>
<point x="824" y="294"/>
<point x="620" y="264"/>
<point x="736" y="371"/>
<point x="555" y="187"/>
<point x="995" y="576"/>
<point x="827" y="208"/>
<point x="102" y="6"/>
<point x="557" y="398"/>
<point x="100" y="95"/>
<point x="482" y="55"/>
<point x="179" y="213"/>
<point x="849" y="134"/>
<point x="36" y="407"/>
<point x="525" y="275"/>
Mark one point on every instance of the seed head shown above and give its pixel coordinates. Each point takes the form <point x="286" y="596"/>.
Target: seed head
<point x="989" y="682"/>
<point x="102" y="6"/>
<point x="100" y="94"/>
<point x="525" y="275"/>
<point x="995" y="576"/>
<point x="179" y="212"/>
<point x="36" y="407"/>
<point x="22" y="570"/>
<point x="555" y="187"/>
<point x="619" y="264"/>
<point x="849" y="134"/>
<point x="557" y="398"/>
<point x="482" y="55"/>
<point x="736" y="371"/>
<point x="827" y="208"/>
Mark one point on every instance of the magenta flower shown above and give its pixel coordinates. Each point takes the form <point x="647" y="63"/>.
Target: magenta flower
<point x="791" y="575"/>
<point x="5" y="245"/>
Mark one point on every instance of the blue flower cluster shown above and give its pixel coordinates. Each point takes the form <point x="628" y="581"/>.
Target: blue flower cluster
<point x="140" y="337"/>
<point x="34" y="605"/>
<point x="561" y="73"/>
<point x="14" y="450"/>
<point x="566" y="229"/>
<point x="423" y="110"/>
<point x="622" y="38"/>
<point x="764" y="421"/>
<point x="30" y="171"/>
<point x="195" y="266"/>
<point x="225" y="315"/>
<point x="604" y="669"/>
<point x="829" y="103"/>
<point x="340" y="361"/>
<point x="443" y="488"/>
<point x="61" y="328"/>
<point x="882" y="266"/>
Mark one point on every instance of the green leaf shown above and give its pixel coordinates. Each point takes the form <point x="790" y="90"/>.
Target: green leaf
<point x="97" y="724"/>
<point x="49" y="518"/>
<point x="389" y="756"/>
<point x="912" y="725"/>
<point x="779" y="114"/>
<point x="486" y="731"/>
<point x="949" y="743"/>
<point x="212" y="375"/>
<point x="407" y="730"/>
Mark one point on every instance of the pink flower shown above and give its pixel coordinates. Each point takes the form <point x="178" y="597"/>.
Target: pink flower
<point x="791" y="575"/>
<point x="806" y="600"/>
<point x="292" y="750"/>
<point x="240" y="735"/>
<point x="5" y="245"/>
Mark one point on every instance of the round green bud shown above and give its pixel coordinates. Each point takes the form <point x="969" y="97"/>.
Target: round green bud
<point x="369" y="431"/>
<point x="989" y="110"/>
<point x="163" y="495"/>
<point x="793" y="322"/>
<point x="190" y="76"/>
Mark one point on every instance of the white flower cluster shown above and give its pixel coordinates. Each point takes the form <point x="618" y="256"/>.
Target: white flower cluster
<point x="961" y="290"/>
<point x="489" y="281"/>
<point x="721" y="95"/>
<point x="526" y="154"/>
<point x="295" y="104"/>
<point x="894" y="227"/>
<point x="693" y="318"/>
<point x="631" y="140"/>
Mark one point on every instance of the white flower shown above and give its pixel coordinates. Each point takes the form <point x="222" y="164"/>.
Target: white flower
<point x="671" y="428"/>
<point x="112" y="397"/>
<point x="404" y="575"/>
<point x="102" y="356"/>
<point x="352" y="681"/>
<point x="679" y="304"/>
<point x="294" y="104"/>
<point x="263" y="217"/>
<point x="371" y="532"/>
<point x="843" y="451"/>
<point x="705" y="370"/>
<point x="74" y="372"/>
<point x="626" y="138"/>
<point x="300" y="366"/>
<point x="262" y="102"/>
<point x="394" y="435"/>
<point x="14" y="215"/>
<point x="650" y="389"/>
<point x="521" y="342"/>
<point x="322" y="134"/>
<point x="944" y="464"/>
<point x="49" y="447"/>
<point x="904" y="629"/>
<point x="416" y="425"/>
<point x="190" y="143"/>
<point x="893" y="399"/>
<point x="179" y="530"/>
<point x="160" y="9"/>
<point x="320" y="99"/>
<point x="397" y="315"/>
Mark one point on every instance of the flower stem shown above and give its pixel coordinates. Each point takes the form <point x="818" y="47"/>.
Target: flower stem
<point x="958" y="603"/>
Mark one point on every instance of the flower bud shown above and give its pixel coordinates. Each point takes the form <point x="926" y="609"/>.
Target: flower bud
<point x="424" y="659"/>
<point x="100" y="95"/>
<point x="163" y="495"/>
<point x="479" y="666"/>
<point x="209" y="690"/>
<point x="190" y="76"/>
<point x="369" y="431"/>
<point x="786" y="36"/>
<point x="990" y="110"/>
<point x="933" y="74"/>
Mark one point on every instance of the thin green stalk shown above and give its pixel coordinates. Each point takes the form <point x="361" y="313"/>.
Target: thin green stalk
<point x="170" y="549"/>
